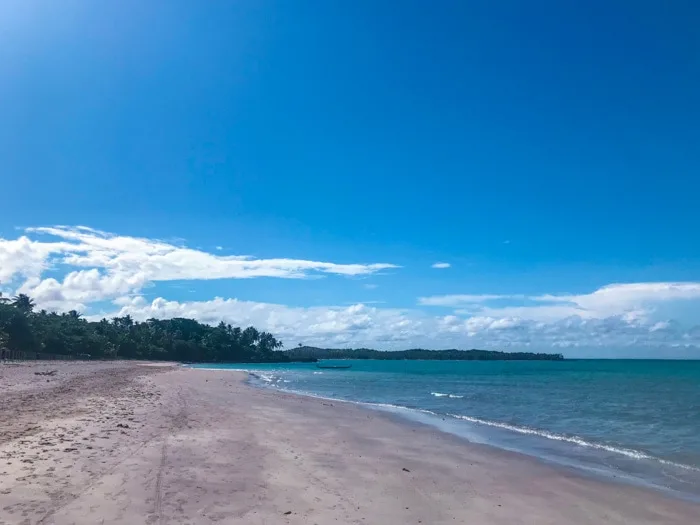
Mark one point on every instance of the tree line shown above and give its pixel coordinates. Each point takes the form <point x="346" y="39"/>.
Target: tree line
<point x="69" y="334"/>
<point x="310" y="352"/>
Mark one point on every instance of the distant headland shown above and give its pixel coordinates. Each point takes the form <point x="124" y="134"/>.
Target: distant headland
<point x="311" y="353"/>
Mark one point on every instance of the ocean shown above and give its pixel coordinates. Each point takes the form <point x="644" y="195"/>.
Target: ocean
<point x="633" y="421"/>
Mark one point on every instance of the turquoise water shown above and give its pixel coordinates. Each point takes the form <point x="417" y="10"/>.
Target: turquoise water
<point x="638" y="421"/>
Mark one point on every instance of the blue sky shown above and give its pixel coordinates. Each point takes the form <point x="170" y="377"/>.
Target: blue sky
<point x="547" y="151"/>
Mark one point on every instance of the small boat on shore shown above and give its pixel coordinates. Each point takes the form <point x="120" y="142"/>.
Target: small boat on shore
<point x="334" y="367"/>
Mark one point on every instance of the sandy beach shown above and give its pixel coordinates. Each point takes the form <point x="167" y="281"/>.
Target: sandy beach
<point x="136" y="443"/>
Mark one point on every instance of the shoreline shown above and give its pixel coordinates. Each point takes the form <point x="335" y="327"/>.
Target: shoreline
<point x="432" y="420"/>
<point x="127" y="443"/>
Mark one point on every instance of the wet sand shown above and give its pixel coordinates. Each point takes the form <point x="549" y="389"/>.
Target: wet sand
<point x="127" y="443"/>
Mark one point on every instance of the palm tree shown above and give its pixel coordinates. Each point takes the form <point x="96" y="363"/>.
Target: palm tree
<point x="74" y="314"/>
<point x="4" y="300"/>
<point x="123" y="323"/>
<point x="23" y="302"/>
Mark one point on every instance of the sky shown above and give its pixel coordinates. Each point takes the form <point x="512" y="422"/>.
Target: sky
<point x="457" y="174"/>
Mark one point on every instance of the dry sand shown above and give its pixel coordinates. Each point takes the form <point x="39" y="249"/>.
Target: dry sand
<point x="131" y="444"/>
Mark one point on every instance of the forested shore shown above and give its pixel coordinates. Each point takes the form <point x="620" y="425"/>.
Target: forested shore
<point x="22" y="329"/>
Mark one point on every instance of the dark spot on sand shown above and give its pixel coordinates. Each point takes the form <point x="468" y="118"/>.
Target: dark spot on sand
<point x="405" y="469"/>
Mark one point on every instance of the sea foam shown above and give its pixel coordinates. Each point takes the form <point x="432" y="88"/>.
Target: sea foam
<point x="451" y="396"/>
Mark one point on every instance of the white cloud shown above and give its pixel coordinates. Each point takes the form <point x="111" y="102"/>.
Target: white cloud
<point x="161" y="261"/>
<point x="616" y="298"/>
<point x="370" y="286"/>
<point x="106" y="265"/>
<point x="634" y="301"/>
<point x="574" y="332"/>
<point x="441" y="265"/>
<point x="81" y="287"/>
<point x="462" y="299"/>
<point x="25" y="258"/>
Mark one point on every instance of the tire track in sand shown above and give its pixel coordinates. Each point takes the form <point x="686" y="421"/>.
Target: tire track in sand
<point x="179" y="421"/>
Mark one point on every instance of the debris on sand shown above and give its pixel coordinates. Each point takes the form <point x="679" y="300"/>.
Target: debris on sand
<point x="49" y="373"/>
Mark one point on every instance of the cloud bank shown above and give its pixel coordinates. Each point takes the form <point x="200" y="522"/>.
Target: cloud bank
<point x="393" y="328"/>
<point x="634" y="301"/>
<point x="103" y="274"/>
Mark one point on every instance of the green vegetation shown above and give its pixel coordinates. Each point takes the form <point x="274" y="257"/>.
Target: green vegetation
<point x="23" y="329"/>
<point x="310" y="352"/>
